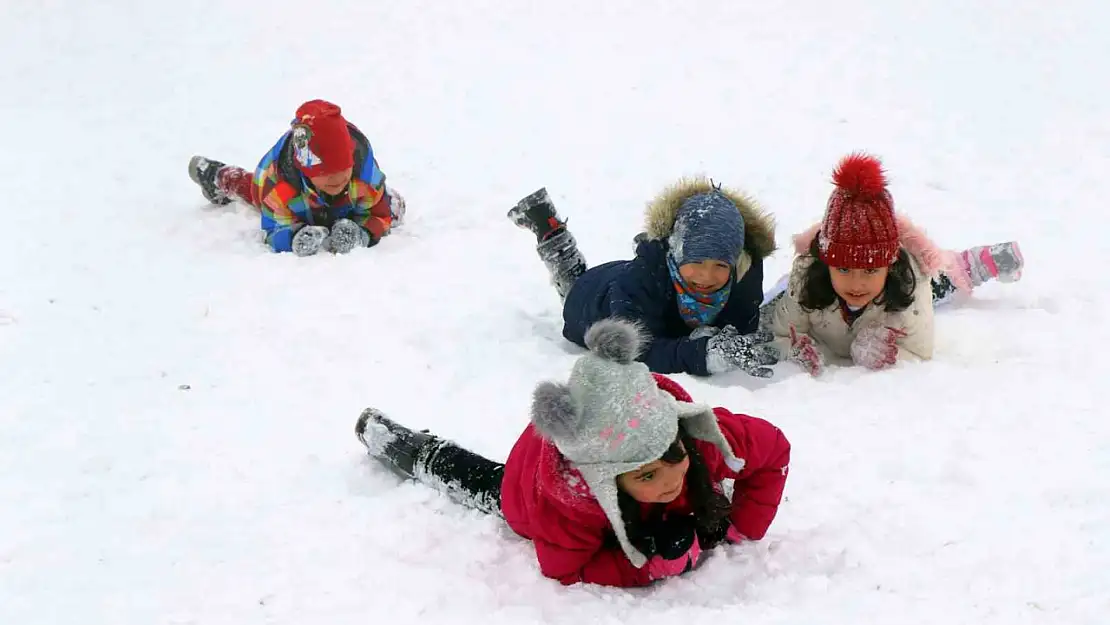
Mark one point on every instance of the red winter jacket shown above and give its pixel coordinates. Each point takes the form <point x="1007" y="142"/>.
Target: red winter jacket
<point x="545" y="500"/>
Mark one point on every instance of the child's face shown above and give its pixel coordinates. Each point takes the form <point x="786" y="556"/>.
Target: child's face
<point x="708" y="276"/>
<point x="655" y="482"/>
<point x="332" y="184"/>
<point x="858" y="287"/>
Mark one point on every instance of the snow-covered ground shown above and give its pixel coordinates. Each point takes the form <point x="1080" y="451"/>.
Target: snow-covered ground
<point x="177" y="403"/>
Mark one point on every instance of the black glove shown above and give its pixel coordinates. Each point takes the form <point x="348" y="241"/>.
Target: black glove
<point x="729" y="350"/>
<point x="669" y="538"/>
<point x="709" y="539"/>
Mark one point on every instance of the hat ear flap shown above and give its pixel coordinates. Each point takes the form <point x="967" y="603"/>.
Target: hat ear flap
<point x="554" y="413"/>
<point x="700" y="422"/>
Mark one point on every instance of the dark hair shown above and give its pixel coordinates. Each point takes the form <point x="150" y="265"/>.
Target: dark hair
<point x="818" y="293"/>
<point x="710" y="507"/>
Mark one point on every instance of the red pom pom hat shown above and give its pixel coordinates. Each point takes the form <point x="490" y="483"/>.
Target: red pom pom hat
<point x="859" y="230"/>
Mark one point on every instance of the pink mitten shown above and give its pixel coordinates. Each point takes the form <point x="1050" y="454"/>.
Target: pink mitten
<point x="659" y="567"/>
<point x="876" y="346"/>
<point x="805" y="353"/>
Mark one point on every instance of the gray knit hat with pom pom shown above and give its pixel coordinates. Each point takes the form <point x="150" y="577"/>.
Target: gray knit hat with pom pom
<point x="611" y="417"/>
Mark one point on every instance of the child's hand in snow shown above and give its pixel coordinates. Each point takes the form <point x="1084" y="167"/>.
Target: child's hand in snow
<point x="876" y="346"/>
<point x="804" y="352"/>
<point x="728" y="350"/>
<point x="309" y="240"/>
<point x="345" y="236"/>
<point x="671" y="545"/>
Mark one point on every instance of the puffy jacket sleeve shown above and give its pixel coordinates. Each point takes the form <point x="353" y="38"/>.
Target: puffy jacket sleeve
<point x="759" y="485"/>
<point x="787" y="312"/>
<point x="276" y="199"/>
<point x="635" y="296"/>
<point x="371" y="209"/>
<point x="590" y="560"/>
<point x="279" y="220"/>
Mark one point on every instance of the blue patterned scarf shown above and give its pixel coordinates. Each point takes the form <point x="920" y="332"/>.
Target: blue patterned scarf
<point x="697" y="309"/>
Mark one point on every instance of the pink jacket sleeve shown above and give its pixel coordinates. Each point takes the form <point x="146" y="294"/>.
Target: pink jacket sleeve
<point x="759" y="485"/>
<point x="594" y="564"/>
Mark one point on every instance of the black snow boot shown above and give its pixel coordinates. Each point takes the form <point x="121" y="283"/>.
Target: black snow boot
<point x="537" y="213"/>
<point x="392" y="444"/>
<point x="203" y="172"/>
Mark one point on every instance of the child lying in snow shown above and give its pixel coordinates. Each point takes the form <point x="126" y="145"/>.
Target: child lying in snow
<point x="616" y="481"/>
<point x="696" y="282"/>
<point x="319" y="187"/>
<point x="865" y="280"/>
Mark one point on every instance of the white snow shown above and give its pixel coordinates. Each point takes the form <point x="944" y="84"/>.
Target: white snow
<point x="177" y="404"/>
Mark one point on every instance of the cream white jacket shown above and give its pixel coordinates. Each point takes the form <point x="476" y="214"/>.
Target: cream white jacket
<point x="831" y="333"/>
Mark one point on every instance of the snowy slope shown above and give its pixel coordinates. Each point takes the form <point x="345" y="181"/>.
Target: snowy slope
<point x="176" y="403"/>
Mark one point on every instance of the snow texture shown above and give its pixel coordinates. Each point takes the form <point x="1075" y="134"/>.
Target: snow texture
<point x="177" y="402"/>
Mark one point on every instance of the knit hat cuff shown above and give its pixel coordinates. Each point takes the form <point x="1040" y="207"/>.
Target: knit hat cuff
<point x="861" y="256"/>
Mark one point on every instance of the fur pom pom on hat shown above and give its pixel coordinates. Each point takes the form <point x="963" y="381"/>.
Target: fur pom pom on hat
<point x="610" y="417"/>
<point x="859" y="230"/>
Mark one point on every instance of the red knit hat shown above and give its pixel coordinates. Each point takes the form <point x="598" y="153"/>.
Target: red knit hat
<point x="859" y="230"/>
<point x="321" y="142"/>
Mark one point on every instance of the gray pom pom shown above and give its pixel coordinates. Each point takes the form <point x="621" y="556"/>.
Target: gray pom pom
<point x="553" y="411"/>
<point x="616" y="339"/>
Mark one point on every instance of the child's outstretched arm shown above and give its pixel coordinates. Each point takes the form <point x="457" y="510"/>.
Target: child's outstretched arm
<point x="279" y="220"/>
<point x="583" y="555"/>
<point x="371" y="209"/>
<point x="905" y="335"/>
<point x="632" y="300"/>
<point x="790" y="325"/>
<point x="759" y="485"/>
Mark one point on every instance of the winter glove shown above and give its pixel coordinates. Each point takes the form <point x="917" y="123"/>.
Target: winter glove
<point x="345" y="236"/>
<point x="728" y="350"/>
<point x="309" y="240"/>
<point x="671" y="546"/>
<point x="876" y="346"/>
<point x="804" y="352"/>
<point x="724" y="532"/>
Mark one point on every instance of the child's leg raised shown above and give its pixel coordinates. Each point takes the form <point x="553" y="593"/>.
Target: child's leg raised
<point x="972" y="267"/>
<point x="555" y="244"/>
<point x="220" y="183"/>
<point x="1001" y="261"/>
<point x="463" y="475"/>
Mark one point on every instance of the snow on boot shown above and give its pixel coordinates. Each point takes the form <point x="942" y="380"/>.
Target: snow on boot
<point x="394" y="445"/>
<point x="1001" y="261"/>
<point x="203" y="172"/>
<point x="564" y="262"/>
<point x="537" y="213"/>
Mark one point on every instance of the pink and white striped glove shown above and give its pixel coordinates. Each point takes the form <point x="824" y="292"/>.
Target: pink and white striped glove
<point x="876" y="346"/>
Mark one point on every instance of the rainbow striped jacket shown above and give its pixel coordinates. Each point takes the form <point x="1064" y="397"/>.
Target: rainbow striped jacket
<point x="288" y="202"/>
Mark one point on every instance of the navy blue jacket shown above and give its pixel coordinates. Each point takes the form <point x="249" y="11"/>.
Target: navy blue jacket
<point x="641" y="289"/>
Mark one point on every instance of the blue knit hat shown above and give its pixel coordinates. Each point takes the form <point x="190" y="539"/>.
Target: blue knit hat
<point x="708" y="226"/>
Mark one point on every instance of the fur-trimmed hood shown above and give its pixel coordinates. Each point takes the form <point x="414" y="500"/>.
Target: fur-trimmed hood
<point x="931" y="259"/>
<point x="759" y="227"/>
